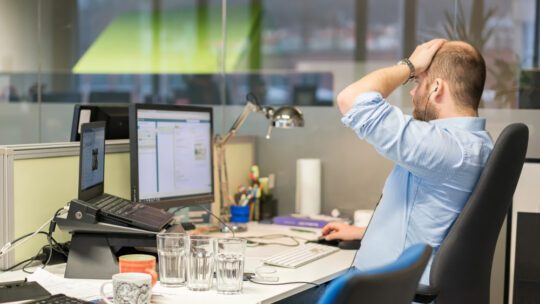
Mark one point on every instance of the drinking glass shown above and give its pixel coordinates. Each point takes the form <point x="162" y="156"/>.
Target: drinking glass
<point x="200" y="262"/>
<point x="172" y="250"/>
<point x="230" y="257"/>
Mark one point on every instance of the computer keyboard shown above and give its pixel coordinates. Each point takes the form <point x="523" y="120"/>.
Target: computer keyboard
<point x="299" y="256"/>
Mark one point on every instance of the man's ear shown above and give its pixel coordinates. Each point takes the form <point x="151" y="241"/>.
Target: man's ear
<point x="439" y="88"/>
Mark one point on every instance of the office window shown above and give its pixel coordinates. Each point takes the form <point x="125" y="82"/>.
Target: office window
<point x="59" y="52"/>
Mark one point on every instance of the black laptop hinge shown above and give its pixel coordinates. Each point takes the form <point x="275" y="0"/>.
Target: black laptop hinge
<point x="82" y="211"/>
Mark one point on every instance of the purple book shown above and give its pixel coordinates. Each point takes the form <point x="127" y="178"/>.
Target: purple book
<point x="299" y="221"/>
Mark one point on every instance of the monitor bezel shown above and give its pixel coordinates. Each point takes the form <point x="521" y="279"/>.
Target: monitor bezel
<point x="97" y="189"/>
<point x="94" y="113"/>
<point x="176" y="201"/>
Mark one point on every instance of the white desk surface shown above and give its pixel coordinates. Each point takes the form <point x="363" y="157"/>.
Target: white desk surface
<point x="319" y="271"/>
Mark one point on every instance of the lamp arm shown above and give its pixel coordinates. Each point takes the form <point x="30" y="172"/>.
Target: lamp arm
<point x="249" y="108"/>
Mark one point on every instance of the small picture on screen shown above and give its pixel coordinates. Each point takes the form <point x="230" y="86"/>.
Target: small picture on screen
<point x="94" y="159"/>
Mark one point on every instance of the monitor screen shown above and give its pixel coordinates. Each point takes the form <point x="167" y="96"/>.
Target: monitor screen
<point x="171" y="155"/>
<point x="92" y="158"/>
<point x="116" y="117"/>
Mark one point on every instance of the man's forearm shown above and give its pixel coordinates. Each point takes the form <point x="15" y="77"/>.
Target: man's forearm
<point x="384" y="81"/>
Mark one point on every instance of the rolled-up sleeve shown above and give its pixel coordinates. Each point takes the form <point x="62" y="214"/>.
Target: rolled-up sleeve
<point x="422" y="148"/>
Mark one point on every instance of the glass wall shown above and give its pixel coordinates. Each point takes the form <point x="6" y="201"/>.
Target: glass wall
<point x="56" y="53"/>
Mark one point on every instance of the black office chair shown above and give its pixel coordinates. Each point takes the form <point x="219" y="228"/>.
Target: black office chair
<point x="394" y="283"/>
<point x="461" y="269"/>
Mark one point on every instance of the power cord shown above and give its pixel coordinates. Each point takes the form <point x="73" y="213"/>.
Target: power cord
<point x="42" y="255"/>
<point x="220" y="220"/>
<point x="21" y="240"/>
<point x="254" y="243"/>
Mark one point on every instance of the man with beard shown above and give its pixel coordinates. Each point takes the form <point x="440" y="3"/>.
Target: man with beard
<point x="439" y="151"/>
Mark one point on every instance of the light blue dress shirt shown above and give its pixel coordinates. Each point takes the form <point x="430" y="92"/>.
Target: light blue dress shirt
<point x="437" y="166"/>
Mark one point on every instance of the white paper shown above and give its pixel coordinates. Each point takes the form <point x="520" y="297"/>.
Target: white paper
<point x="85" y="289"/>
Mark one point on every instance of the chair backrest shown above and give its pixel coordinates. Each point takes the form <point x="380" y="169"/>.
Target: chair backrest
<point x="461" y="269"/>
<point x="393" y="283"/>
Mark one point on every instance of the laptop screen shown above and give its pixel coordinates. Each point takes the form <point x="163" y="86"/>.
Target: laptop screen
<point x="92" y="156"/>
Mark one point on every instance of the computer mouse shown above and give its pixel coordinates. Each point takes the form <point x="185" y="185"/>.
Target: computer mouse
<point x="321" y="240"/>
<point x="350" y="245"/>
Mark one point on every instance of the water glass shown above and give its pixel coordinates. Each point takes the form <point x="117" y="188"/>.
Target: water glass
<point x="200" y="262"/>
<point x="172" y="251"/>
<point x="230" y="257"/>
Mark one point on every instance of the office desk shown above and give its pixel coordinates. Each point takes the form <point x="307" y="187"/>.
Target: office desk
<point x="319" y="271"/>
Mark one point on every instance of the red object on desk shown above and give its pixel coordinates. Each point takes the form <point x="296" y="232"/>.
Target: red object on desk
<point x="139" y="263"/>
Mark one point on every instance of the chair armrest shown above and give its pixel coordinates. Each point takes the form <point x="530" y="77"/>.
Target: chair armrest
<point x="425" y="294"/>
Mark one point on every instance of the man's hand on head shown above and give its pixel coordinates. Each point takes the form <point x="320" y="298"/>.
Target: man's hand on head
<point x="423" y="54"/>
<point x="386" y="80"/>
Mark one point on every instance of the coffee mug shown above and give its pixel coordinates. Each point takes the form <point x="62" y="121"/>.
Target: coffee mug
<point x="129" y="288"/>
<point x="139" y="263"/>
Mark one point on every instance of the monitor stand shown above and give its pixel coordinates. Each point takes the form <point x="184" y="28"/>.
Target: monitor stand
<point x="95" y="255"/>
<point x="95" y="247"/>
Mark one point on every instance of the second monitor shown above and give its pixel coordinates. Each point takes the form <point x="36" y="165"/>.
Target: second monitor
<point x="116" y="117"/>
<point x="171" y="155"/>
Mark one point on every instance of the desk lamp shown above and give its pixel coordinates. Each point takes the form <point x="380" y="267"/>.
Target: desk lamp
<point x="284" y="117"/>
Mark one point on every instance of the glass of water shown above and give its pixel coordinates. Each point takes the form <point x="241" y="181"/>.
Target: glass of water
<point x="230" y="256"/>
<point x="200" y="260"/>
<point x="172" y="250"/>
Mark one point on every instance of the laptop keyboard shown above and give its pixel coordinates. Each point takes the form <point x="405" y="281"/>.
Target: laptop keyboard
<point x="119" y="211"/>
<point x="117" y="206"/>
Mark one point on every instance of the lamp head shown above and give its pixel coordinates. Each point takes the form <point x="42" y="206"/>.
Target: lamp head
<point x="287" y="117"/>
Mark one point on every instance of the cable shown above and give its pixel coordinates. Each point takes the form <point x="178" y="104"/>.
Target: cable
<point x="53" y="245"/>
<point x="176" y="209"/>
<point x="26" y="235"/>
<point x="34" y="258"/>
<point x="274" y="236"/>
<point x="41" y="255"/>
<point x="284" y="283"/>
<point x="220" y="220"/>
<point x="9" y="245"/>
<point x="23" y="239"/>
<point x="16" y="265"/>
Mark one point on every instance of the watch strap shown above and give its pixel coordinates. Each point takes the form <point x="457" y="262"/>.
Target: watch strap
<point x="412" y="70"/>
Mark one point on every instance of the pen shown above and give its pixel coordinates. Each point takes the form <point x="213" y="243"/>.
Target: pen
<point x="302" y="230"/>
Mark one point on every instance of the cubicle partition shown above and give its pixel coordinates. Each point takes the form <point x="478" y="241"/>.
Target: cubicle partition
<point x="37" y="180"/>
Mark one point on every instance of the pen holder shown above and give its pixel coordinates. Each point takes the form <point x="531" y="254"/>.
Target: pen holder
<point x="239" y="214"/>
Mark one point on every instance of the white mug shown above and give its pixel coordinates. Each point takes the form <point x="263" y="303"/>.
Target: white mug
<point x="129" y="288"/>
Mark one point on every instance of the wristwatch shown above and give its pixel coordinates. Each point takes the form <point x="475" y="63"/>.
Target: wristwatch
<point x="412" y="70"/>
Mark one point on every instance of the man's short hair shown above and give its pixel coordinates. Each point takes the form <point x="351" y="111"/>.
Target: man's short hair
<point x="464" y="68"/>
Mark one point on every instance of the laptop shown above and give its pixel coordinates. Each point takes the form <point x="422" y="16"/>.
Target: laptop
<point x="111" y="209"/>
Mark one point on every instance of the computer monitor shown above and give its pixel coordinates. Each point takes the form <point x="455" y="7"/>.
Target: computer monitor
<point x="92" y="160"/>
<point x="116" y="117"/>
<point x="171" y="155"/>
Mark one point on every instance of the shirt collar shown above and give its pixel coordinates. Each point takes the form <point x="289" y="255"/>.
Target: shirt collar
<point x="467" y="123"/>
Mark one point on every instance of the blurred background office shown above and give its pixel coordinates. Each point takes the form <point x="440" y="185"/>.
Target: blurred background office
<point x="56" y="53"/>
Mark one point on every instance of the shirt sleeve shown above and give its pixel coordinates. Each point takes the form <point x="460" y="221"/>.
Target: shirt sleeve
<point x="422" y="148"/>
